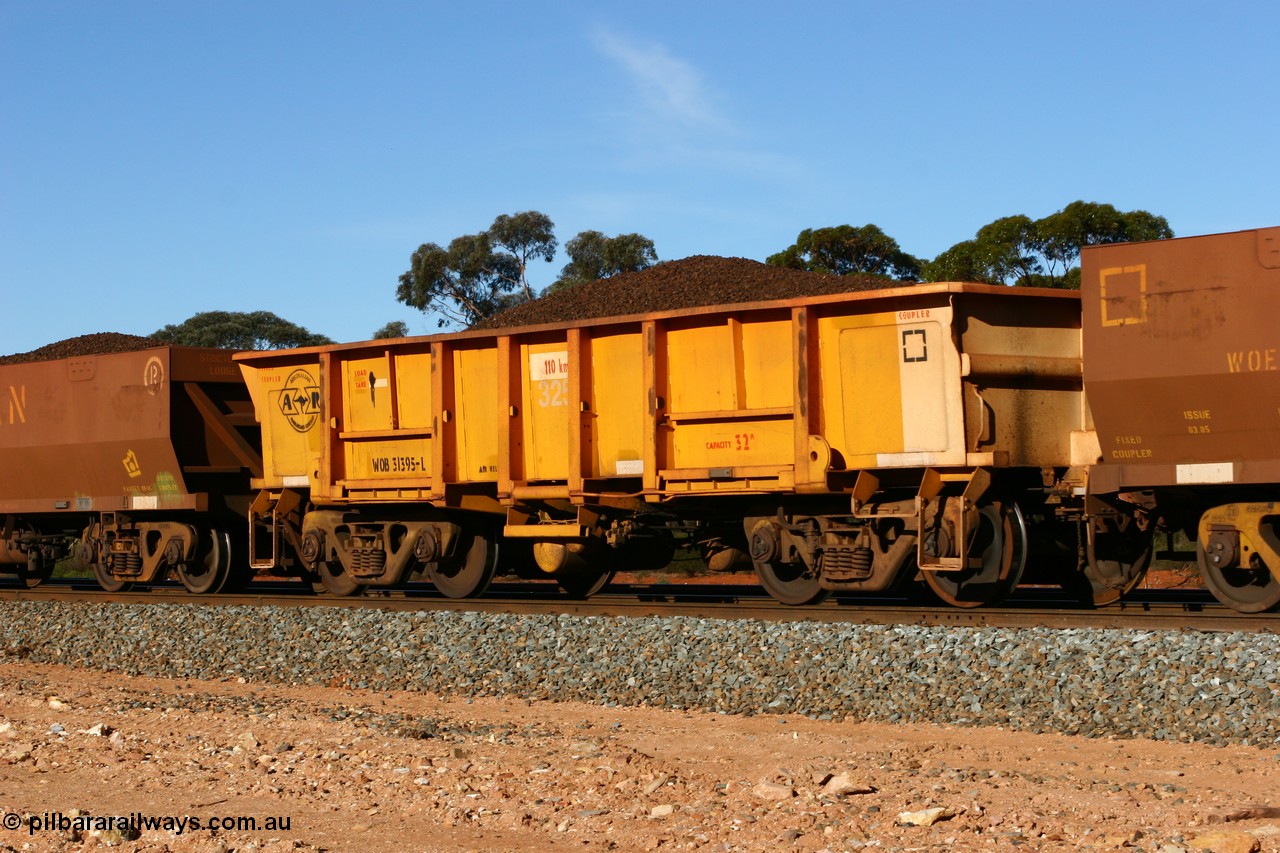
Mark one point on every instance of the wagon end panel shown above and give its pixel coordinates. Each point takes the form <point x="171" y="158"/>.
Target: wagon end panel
<point x="215" y="431"/>
<point x="1021" y="365"/>
<point x="890" y="389"/>
<point x="286" y="392"/>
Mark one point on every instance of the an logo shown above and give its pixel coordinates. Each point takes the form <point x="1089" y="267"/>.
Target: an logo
<point x="131" y="464"/>
<point x="153" y="376"/>
<point x="300" y="400"/>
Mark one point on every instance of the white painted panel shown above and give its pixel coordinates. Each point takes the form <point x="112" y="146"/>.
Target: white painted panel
<point x="630" y="467"/>
<point x="1207" y="472"/>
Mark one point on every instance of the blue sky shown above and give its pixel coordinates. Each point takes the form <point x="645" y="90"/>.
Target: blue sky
<point x="158" y="159"/>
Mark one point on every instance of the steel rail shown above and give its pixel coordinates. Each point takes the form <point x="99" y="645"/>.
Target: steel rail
<point x="1153" y="611"/>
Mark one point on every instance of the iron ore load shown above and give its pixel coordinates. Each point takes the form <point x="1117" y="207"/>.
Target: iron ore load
<point x="839" y="437"/>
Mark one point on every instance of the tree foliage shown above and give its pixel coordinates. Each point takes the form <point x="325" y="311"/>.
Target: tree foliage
<point x="1043" y="252"/>
<point x="394" y="329"/>
<point x="527" y="236"/>
<point x="478" y="274"/>
<point x="846" y="249"/>
<point x="256" y="330"/>
<point x="594" y="256"/>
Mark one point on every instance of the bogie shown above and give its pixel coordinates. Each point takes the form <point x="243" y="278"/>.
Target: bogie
<point x="1238" y="551"/>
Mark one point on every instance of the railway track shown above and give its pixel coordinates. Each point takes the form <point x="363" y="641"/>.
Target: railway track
<point x="1143" y="610"/>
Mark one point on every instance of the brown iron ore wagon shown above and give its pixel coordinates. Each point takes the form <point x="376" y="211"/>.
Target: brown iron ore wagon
<point x="136" y="462"/>
<point x="1182" y="368"/>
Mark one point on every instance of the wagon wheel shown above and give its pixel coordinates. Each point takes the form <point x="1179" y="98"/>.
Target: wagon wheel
<point x="313" y="580"/>
<point x="210" y="569"/>
<point x="39" y="569"/>
<point x="789" y="583"/>
<point x="335" y="580"/>
<point x="583" y="583"/>
<point x="311" y="551"/>
<point x="1117" y="560"/>
<point x="469" y="574"/>
<point x="40" y="564"/>
<point x="108" y="581"/>
<point x="32" y="580"/>
<point x="1000" y="540"/>
<point x="1248" y="589"/>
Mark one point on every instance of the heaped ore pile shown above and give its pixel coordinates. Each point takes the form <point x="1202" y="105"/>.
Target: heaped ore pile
<point x="95" y="344"/>
<point x="674" y="285"/>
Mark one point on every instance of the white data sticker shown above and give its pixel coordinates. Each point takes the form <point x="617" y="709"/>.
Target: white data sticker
<point x="1207" y="472"/>
<point x="548" y="365"/>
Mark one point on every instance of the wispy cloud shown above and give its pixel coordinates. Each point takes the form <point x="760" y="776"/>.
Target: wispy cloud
<point x="671" y="91"/>
<point x="671" y="117"/>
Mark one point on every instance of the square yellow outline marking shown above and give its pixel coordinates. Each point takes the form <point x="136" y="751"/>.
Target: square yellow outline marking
<point x="1141" y="270"/>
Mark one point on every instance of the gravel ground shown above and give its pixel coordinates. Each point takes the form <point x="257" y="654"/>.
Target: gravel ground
<point x="1219" y="688"/>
